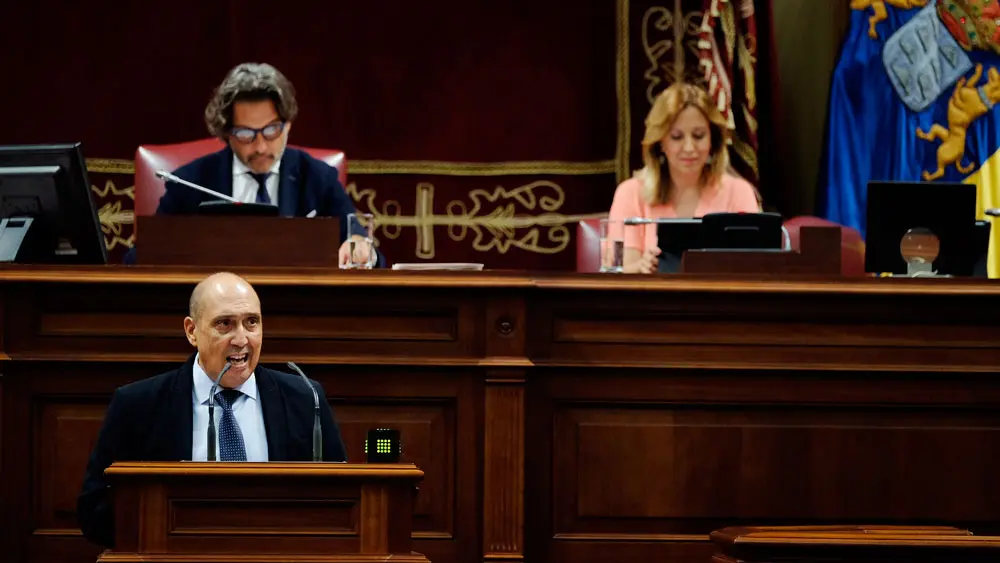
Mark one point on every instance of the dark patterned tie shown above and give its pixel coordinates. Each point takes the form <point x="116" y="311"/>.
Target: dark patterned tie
<point x="262" y="196"/>
<point x="231" y="447"/>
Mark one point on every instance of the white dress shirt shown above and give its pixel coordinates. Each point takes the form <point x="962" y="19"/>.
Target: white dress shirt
<point x="245" y="185"/>
<point x="247" y="410"/>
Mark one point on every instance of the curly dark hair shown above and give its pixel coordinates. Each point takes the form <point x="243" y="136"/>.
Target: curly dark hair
<point x="249" y="82"/>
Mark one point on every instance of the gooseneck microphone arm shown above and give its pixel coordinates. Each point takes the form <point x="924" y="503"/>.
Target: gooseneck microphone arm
<point x="638" y="221"/>
<point x="317" y="428"/>
<point x="630" y="221"/>
<point x="164" y="175"/>
<point x="211" y="413"/>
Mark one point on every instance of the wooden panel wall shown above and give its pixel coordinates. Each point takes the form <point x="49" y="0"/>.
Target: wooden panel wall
<point x="562" y="418"/>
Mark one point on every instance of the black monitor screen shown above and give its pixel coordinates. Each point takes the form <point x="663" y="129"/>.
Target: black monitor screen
<point x="674" y="237"/>
<point x="60" y="201"/>
<point x="716" y="231"/>
<point x="946" y="209"/>
<point x="742" y="231"/>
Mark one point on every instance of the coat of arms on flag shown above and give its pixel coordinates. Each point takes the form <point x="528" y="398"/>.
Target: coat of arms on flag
<point x="914" y="97"/>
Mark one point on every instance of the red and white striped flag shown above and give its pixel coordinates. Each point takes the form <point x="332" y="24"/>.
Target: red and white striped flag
<point x="727" y="55"/>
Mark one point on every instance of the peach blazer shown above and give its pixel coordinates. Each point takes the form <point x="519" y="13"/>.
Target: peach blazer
<point x="731" y="194"/>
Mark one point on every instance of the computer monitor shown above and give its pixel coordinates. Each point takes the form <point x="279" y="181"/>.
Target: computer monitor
<point x="946" y="209"/>
<point x="716" y="231"/>
<point x="980" y="268"/>
<point x="742" y="231"/>
<point x="44" y="189"/>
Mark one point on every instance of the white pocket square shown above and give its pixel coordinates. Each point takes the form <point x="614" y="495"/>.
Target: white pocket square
<point x="311" y="214"/>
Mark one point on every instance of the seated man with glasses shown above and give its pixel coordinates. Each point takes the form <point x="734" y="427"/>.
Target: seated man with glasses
<point x="252" y="112"/>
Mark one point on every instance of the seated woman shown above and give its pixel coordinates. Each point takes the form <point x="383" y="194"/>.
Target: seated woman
<point x="686" y="173"/>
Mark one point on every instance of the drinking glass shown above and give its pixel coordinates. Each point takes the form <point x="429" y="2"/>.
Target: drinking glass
<point x="612" y="246"/>
<point x="362" y="252"/>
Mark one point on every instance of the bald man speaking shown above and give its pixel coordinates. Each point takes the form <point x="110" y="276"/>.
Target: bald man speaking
<point x="259" y="414"/>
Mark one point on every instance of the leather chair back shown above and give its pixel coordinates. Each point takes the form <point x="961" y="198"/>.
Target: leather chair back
<point x="852" y="245"/>
<point x="588" y="245"/>
<point x="150" y="158"/>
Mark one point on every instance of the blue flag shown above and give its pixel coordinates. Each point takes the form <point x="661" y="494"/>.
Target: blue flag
<point x="914" y="97"/>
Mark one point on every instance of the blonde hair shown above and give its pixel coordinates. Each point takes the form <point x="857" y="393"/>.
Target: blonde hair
<point x="667" y="106"/>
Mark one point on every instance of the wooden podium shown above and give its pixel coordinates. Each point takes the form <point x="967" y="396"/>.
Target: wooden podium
<point x="853" y="544"/>
<point x="263" y="512"/>
<point x="236" y="240"/>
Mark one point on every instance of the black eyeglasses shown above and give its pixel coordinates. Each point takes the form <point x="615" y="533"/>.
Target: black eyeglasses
<point x="248" y="134"/>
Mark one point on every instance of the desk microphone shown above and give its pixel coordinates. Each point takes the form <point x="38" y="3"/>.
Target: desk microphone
<point x="164" y="175"/>
<point x="211" y="412"/>
<point x="638" y="221"/>
<point x="317" y="429"/>
<point x="648" y="221"/>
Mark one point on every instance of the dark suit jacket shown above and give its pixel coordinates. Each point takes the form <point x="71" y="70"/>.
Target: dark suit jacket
<point x="305" y="184"/>
<point x="152" y="420"/>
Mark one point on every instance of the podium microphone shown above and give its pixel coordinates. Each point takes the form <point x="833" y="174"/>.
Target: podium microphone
<point x="317" y="428"/>
<point x="211" y="413"/>
<point x="164" y="175"/>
